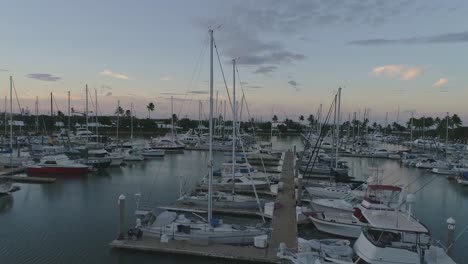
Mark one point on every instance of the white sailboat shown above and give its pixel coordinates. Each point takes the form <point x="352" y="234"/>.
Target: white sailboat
<point x="179" y="227"/>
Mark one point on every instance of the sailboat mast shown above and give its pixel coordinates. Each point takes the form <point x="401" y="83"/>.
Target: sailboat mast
<point x="338" y="128"/>
<point x="172" y="118"/>
<point x="51" y="105"/>
<point x="131" y="120"/>
<point x="86" y="114"/>
<point x="11" y="117"/>
<point x="234" y="123"/>
<point x="118" y="119"/>
<point x="37" y="114"/>
<point x="446" y="134"/>
<point x="210" y="152"/>
<point x="96" y="106"/>
<point x="69" y="112"/>
<point x="5" y="113"/>
<point x="411" y="131"/>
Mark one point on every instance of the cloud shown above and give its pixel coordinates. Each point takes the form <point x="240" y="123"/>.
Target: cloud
<point x="3" y="70"/>
<point x="265" y="69"/>
<point x="43" y="77"/>
<point x="116" y="75"/>
<point x="198" y="92"/>
<point x="458" y="37"/>
<point x="441" y="82"/>
<point x="166" y="78"/>
<point x="293" y="83"/>
<point x="105" y="86"/>
<point x="400" y="71"/>
<point x="108" y="94"/>
<point x="254" y="87"/>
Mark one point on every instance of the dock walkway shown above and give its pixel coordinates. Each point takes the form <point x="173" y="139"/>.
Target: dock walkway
<point x="284" y="217"/>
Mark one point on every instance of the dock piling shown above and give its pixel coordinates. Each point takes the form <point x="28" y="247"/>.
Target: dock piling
<point x="121" y="203"/>
<point x="450" y="233"/>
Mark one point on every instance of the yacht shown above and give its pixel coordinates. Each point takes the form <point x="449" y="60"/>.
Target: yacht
<point x="115" y="158"/>
<point x="379" y="202"/>
<point x="58" y="164"/>
<point x="179" y="227"/>
<point x="408" y="242"/>
<point x="345" y="205"/>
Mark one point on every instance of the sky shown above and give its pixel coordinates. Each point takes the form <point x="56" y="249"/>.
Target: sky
<point x="291" y="56"/>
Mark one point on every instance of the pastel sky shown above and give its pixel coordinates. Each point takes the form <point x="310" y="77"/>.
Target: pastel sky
<point x="292" y="55"/>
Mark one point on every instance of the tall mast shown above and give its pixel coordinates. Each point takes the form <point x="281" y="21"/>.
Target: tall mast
<point x="199" y="118"/>
<point x="131" y="120"/>
<point x="446" y="134"/>
<point x="118" y="119"/>
<point x="234" y="123"/>
<point x="11" y="116"/>
<point x="5" y="113"/>
<point x="11" y="122"/>
<point x="386" y="120"/>
<point x="96" y="106"/>
<point x="210" y="152"/>
<point x="333" y="130"/>
<point x="338" y="128"/>
<point x="411" y="129"/>
<point x="86" y="114"/>
<point x="51" y="105"/>
<point x="36" y="110"/>
<point x="172" y="118"/>
<point x="69" y="125"/>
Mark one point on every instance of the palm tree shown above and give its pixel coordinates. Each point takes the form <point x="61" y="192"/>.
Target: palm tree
<point x="119" y="111"/>
<point x="311" y="119"/>
<point x="150" y="108"/>
<point x="455" y="121"/>
<point x="301" y="118"/>
<point x="128" y="112"/>
<point x="275" y="118"/>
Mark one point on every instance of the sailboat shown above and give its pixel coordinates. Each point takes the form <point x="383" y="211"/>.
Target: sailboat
<point x="6" y="158"/>
<point x="179" y="227"/>
<point x="170" y="144"/>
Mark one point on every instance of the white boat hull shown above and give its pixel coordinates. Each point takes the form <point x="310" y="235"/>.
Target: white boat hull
<point x="337" y="229"/>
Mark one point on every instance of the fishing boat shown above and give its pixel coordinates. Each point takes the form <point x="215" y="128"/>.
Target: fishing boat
<point x="379" y="202"/>
<point x="58" y="164"/>
<point x="408" y="242"/>
<point x="345" y="205"/>
<point x="130" y="154"/>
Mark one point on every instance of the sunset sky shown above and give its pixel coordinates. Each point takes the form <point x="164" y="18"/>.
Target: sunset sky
<point x="292" y="55"/>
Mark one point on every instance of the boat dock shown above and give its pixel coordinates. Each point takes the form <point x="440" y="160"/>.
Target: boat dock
<point x="28" y="179"/>
<point x="284" y="222"/>
<point x="284" y="230"/>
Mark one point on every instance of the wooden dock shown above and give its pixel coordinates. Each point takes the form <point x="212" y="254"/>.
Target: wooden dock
<point x="241" y="253"/>
<point x="27" y="179"/>
<point x="284" y="217"/>
<point x="11" y="171"/>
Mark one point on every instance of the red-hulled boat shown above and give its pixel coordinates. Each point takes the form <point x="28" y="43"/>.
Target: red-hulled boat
<point x="57" y="164"/>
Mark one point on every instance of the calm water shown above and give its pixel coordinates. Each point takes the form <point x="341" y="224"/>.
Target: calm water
<point x="73" y="220"/>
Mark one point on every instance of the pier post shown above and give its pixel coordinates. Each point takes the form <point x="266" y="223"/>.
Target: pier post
<point x="121" y="203"/>
<point x="450" y="233"/>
